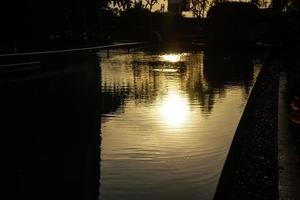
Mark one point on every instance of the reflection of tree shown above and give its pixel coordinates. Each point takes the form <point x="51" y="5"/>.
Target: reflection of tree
<point x="141" y="86"/>
<point x="196" y="86"/>
<point x="112" y="98"/>
<point x="202" y="77"/>
<point x="210" y="75"/>
<point x="234" y="68"/>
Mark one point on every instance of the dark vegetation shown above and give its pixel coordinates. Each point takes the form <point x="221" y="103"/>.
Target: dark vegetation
<point x="141" y="24"/>
<point x="39" y="25"/>
<point x="35" y="25"/>
<point x="230" y="24"/>
<point x="234" y="25"/>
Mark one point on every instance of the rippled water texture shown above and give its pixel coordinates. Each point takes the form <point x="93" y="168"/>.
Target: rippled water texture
<point x="168" y="121"/>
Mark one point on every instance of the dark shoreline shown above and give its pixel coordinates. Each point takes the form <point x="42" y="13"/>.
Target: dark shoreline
<point x="251" y="170"/>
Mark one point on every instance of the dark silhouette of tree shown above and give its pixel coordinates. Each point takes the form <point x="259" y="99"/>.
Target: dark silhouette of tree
<point x="230" y="24"/>
<point x="36" y="25"/>
<point x="199" y="8"/>
<point x="120" y="3"/>
<point x="220" y="1"/>
<point x="286" y="5"/>
<point x="260" y="3"/>
<point x="150" y="3"/>
<point x="277" y="5"/>
<point x="281" y="5"/>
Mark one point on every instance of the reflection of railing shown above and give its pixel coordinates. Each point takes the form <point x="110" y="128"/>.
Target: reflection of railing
<point x="19" y="71"/>
<point x="105" y="47"/>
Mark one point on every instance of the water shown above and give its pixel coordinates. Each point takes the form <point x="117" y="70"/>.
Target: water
<point x="168" y="120"/>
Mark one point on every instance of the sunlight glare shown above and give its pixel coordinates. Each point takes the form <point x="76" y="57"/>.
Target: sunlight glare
<point x="171" y="57"/>
<point x="174" y="110"/>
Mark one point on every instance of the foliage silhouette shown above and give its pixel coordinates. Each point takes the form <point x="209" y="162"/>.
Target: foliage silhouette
<point x="230" y="24"/>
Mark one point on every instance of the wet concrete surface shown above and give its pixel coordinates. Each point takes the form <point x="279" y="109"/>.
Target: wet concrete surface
<point x="288" y="139"/>
<point x="251" y="168"/>
<point x="264" y="160"/>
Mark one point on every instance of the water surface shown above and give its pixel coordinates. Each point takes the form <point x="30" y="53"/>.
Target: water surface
<point x="168" y="120"/>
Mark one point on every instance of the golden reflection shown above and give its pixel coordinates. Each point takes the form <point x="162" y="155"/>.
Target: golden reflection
<point x="165" y="70"/>
<point x="171" y="57"/>
<point x="174" y="110"/>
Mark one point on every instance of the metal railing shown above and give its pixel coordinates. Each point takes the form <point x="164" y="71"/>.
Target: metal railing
<point x="105" y="47"/>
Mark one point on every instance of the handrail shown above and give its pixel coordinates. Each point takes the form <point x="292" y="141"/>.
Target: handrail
<point x="74" y="50"/>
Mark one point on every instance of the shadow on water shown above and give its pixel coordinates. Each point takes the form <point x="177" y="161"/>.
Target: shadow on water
<point x="220" y="71"/>
<point x="51" y="125"/>
<point x="224" y="69"/>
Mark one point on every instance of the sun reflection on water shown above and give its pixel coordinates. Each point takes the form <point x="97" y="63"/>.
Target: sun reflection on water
<point x="171" y="57"/>
<point x="174" y="110"/>
<point x="165" y="128"/>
